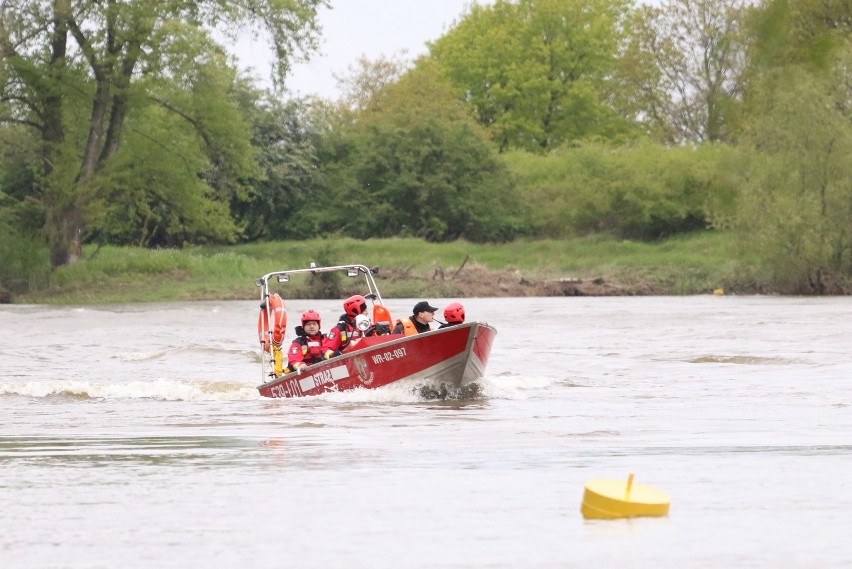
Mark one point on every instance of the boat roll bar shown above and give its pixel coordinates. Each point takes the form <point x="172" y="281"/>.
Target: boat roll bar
<point x="267" y="332"/>
<point x="351" y="271"/>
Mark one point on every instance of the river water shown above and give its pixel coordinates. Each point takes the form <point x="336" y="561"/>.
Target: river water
<point x="133" y="436"/>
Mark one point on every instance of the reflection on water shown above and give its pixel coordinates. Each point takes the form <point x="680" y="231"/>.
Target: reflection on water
<point x="101" y="452"/>
<point x="137" y="438"/>
<point x="42" y="446"/>
<point x="743" y="360"/>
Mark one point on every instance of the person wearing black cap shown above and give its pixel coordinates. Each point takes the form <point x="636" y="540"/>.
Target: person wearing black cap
<point x="419" y="321"/>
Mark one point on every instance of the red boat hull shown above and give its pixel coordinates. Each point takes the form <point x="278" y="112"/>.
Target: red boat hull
<point x="451" y="356"/>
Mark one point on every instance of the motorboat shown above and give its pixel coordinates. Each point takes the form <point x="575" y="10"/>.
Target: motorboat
<point x="448" y="358"/>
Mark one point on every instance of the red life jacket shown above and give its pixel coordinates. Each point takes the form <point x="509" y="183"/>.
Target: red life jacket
<point x="307" y="349"/>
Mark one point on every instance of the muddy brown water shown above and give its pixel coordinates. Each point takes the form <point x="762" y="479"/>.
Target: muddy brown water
<point x="133" y="436"/>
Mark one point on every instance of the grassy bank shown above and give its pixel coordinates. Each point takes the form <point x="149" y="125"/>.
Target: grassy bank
<point x="409" y="268"/>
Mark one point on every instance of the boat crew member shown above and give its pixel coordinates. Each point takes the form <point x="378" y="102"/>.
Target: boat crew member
<point x="347" y="328"/>
<point x="306" y="348"/>
<point x="419" y="321"/>
<point x="453" y="314"/>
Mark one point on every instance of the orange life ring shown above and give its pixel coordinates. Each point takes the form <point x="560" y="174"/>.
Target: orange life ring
<point x="272" y="309"/>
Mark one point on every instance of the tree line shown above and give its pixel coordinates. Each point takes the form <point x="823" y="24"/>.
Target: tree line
<point x="130" y="124"/>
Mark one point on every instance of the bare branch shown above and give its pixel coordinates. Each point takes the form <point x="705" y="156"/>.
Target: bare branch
<point x="86" y="48"/>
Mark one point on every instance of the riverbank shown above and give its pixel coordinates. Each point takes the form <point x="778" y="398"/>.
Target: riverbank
<point x="465" y="283"/>
<point x="408" y="268"/>
<point x="479" y="281"/>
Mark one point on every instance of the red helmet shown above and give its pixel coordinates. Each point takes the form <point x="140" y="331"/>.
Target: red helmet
<point x="454" y="312"/>
<point x="309" y="315"/>
<point x="355" y="305"/>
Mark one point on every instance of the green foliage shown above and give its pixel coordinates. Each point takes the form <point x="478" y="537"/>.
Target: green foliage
<point x="681" y="71"/>
<point x="433" y="181"/>
<point x="151" y="194"/>
<point x="534" y="72"/>
<point x="692" y="264"/>
<point x="221" y="124"/>
<point x="171" y="181"/>
<point x="413" y="165"/>
<point x="796" y="202"/>
<point x="19" y="176"/>
<point x="508" y="128"/>
<point x="637" y="192"/>
<point x="287" y="140"/>
<point x="800" y="32"/>
<point x="25" y="259"/>
<point x="327" y="285"/>
<point x="366" y="82"/>
<point x="81" y="76"/>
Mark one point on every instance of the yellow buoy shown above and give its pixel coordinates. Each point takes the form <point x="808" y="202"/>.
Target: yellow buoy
<point x="719" y="292"/>
<point x="611" y="499"/>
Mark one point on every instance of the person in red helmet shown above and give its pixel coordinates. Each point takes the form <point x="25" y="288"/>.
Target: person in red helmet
<point x="306" y="348"/>
<point x="453" y="314"/>
<point x="420" y="321"/>
<point x="353" y="325"/>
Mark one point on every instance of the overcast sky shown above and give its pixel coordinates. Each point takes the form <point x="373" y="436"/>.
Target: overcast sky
<point x="360" y="27"/>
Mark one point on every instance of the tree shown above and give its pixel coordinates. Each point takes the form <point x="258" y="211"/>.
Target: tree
<point x="363" y="85"/>
<point x="24" y="256"/>
<point x="414" y="163"/>
<point x="796" y="202"/>
<point x="684" y="63"/>
<point x="799" y="32"/>
<point x="636" y="191"/>
<point x="534" y="72"/>
<point x="795" y="205"/>
<point x="113" y="57"/>
<point x="290" y="180"/>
